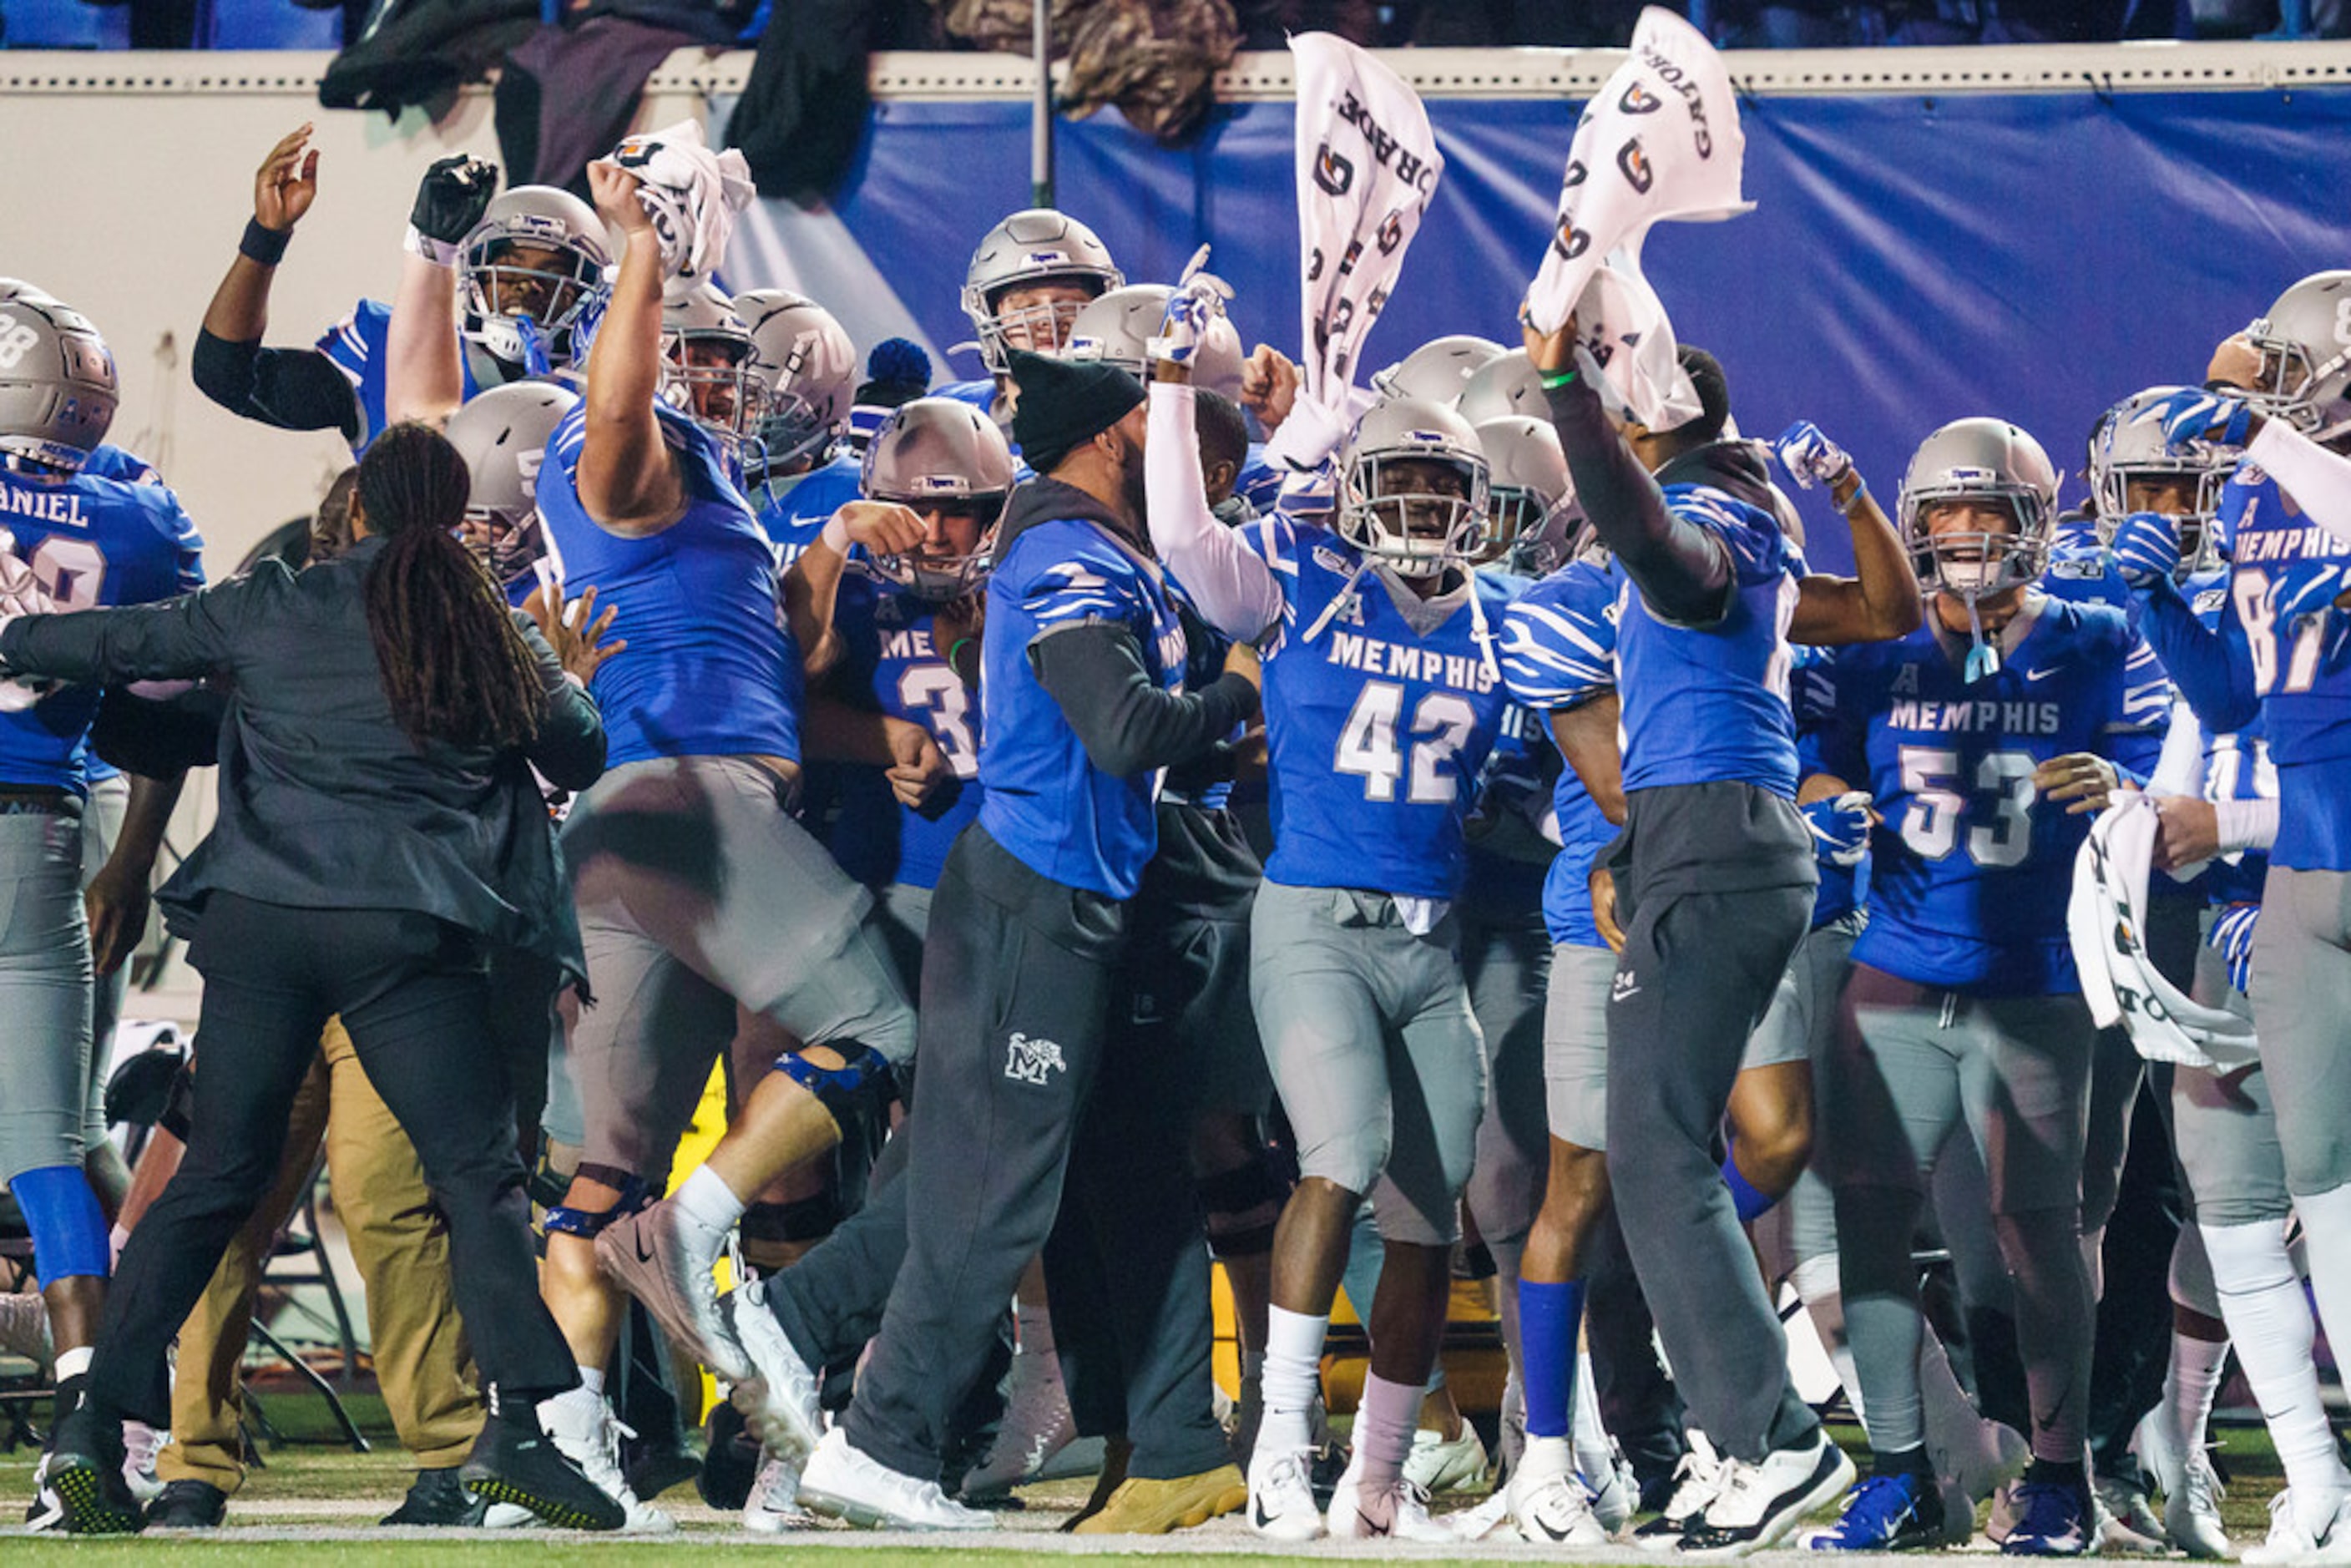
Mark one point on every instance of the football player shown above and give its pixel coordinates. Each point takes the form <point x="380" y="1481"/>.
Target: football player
<point x="1029" y="277"/>
<point x="2281" y="652"/>
<point x="87" y="541"/>
<point x="1383" y="699"/>
<point x="1981" y="738"/>
<point x="797" y="480"/>
<point x="696" y="889"/>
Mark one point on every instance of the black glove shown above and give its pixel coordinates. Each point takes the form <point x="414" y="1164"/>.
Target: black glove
<point x="450" y="199"/>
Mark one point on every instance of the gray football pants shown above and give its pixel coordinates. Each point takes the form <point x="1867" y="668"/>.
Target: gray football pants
<point x="2302" y="1000"/>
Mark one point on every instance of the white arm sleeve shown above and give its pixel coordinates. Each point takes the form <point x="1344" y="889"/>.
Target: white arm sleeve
<point x="2246" y="824"/>
<point x="1233" y="590"/>
<point x="2318" y="480"/>
<point x="2180" y="770"/>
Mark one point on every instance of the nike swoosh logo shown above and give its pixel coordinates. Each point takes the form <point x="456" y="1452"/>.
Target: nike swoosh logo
<point x="1257" y="1516"/>
<point x="643" y="1254"/>
<point x="1371" y="1526"/>
<point x="2032" y="675"/>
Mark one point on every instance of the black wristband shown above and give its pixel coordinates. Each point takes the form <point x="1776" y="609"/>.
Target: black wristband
<point x="263" y="244"/>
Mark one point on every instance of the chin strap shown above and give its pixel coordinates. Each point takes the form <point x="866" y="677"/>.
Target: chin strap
<point x="1342" y="600"/>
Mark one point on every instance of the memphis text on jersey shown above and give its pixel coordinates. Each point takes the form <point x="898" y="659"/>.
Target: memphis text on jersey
<point x="1406" y="662"/>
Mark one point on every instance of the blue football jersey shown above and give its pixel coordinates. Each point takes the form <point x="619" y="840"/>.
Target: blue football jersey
<point x="1046" y="802"/>
<point x="2302" y="671"/>
<point x="90" y="542"/>
<point x="1559" y="648"/>
<point x="1970" y="869"/>
<point x="1843" y="889"/>
<point x="2236" y="767"/>
<point x="710" y="670"/>
<point x="794" y="511"/>
<point x="1376" y="731"/>
<point x="357" y="344"/>
<point x="889" y="664"/>
<point x="1711" y="706"/>
<point x="109" y="462"/>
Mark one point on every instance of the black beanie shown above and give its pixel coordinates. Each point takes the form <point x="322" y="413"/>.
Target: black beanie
<point x="1065" y="403"/>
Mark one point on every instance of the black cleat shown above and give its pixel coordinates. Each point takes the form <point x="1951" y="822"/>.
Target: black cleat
<point x="515" y="1461"/>
<point x="438" y="1499"/>
<point x="188" y="1505"/>
<point x="84" y="1470"/>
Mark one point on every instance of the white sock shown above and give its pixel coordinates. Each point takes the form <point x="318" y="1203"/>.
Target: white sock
<point x="1384" y="1422"/>
<point x="592" y="1378"/>
<point x="74" y="1362"/>
<point x="1584" y="1427"/>
<point x="707" y="1199"/>
<point x="2189" y="1384"/>
<point x="1293" y="1379"/>
<point x="2268" y="1320"/>
<point x="578" y="1408"/>
<point x="1548" y="1456"/>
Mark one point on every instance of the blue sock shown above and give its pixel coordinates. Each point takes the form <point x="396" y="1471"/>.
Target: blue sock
<point x="69" y="1235"/>
<point x="1549" y="1317"/>
<point x="1751" y="1205"/>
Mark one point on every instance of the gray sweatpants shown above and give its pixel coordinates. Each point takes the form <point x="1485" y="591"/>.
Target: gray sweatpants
<point x="45" y="993"/>
<point x="2302" y="1001"/>
<point x="1715" y="883"/>
<point x="697" y="890"/>
<point x="1374" y="1051"/>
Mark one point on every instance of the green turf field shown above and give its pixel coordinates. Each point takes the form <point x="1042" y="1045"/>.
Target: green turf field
<point x="313" y="1505"/>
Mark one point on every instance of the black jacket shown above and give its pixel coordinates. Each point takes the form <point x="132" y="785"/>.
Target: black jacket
<point x="324" y="801"/>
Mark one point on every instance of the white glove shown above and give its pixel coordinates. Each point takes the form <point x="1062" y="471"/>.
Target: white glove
<point x="1307" y="438"/>
<point x="1809" y="457"/>
<point x="1197" y="299"/>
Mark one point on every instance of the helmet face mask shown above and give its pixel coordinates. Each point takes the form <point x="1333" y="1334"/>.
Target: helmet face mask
<point x="2133" y="468"/>
<point x="2305" y="341"/>
<point x="1532" y="510"/>
<point x="530" y="267"/>
<point x="503" y="435"/>
<point x="1029" y="279"/>
<point x="1413" y="487"/>
<point x="710" y="369"/>
<point x="1989" y="465"/>
<point x="937" y="455"/>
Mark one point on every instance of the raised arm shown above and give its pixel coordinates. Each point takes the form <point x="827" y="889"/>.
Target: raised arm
<point x="424" y="372"/>
<point x="630" y="482"/>
<point x="813" y="585"/>
<point x="1684" y="572"/>
<point x="1233" y="590"/>
<point x="1881" y="601"/>
<point x="292" y="389"/>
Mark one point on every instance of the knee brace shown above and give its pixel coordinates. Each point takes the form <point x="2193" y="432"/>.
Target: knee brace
<point x="635" y="1192"/>
<point x="69" y="1234"/>
<point x="862" y="1086"/>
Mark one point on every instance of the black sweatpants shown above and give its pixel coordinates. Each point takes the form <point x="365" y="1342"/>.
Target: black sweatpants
<point x="1017" y="974"/>
<point x="1699" y="970"/>
<point x="414" y="994"/>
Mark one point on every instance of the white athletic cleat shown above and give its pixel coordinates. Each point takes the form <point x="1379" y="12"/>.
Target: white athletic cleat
<point x="775" y="1502"/>
<point x="664" y="1259"/>
<point x="778" y="1400"/>
<point x="2126" y="1519"/>
<point x="1397" y="1512"/>
<point x="844" y="1482"/>
<point x="1616" y="1495"/>
<point x="1437" y="1466"/>
<point x="1697" y="1477"/>
<point x="2191" y="1511"/>
<point x="2290" y="1542"/>
<point x="1481" y="1523"/>
<point x="587" y="1433"/>
<point x="1281" y="1495"/>
<point x="1761" y="1504"/>
<point x="141" y="1443"/>
<point x="1548" y="1502"/>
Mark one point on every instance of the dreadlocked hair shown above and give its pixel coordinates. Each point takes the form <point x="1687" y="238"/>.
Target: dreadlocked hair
<point x="453" y="665"/>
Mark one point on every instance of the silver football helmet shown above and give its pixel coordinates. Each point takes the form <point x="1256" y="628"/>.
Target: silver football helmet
<point x="17" y="288"/>
<point x="1504" y="385"/>
<point x="2128" y="451"/>
<point x="710" y="369"/>
<point x="502" y="434"/>
<point x="1439" y="370"/>
<point x="813" y="370"/>
<point x="1034" y="245"/>
<point x="1979" y="460"/>
<point x="1117" y="330"/>
<point x="1386" y="512"/>
<point x="2304" y="341"/>
<point x="57" y="390"/>
<point x="939" y="453"/>
<point x="530" y="266"/>
<point x="1531" y="515"/>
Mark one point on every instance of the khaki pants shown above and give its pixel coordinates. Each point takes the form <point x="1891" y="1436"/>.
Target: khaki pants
<point x="401" y="1246"/>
